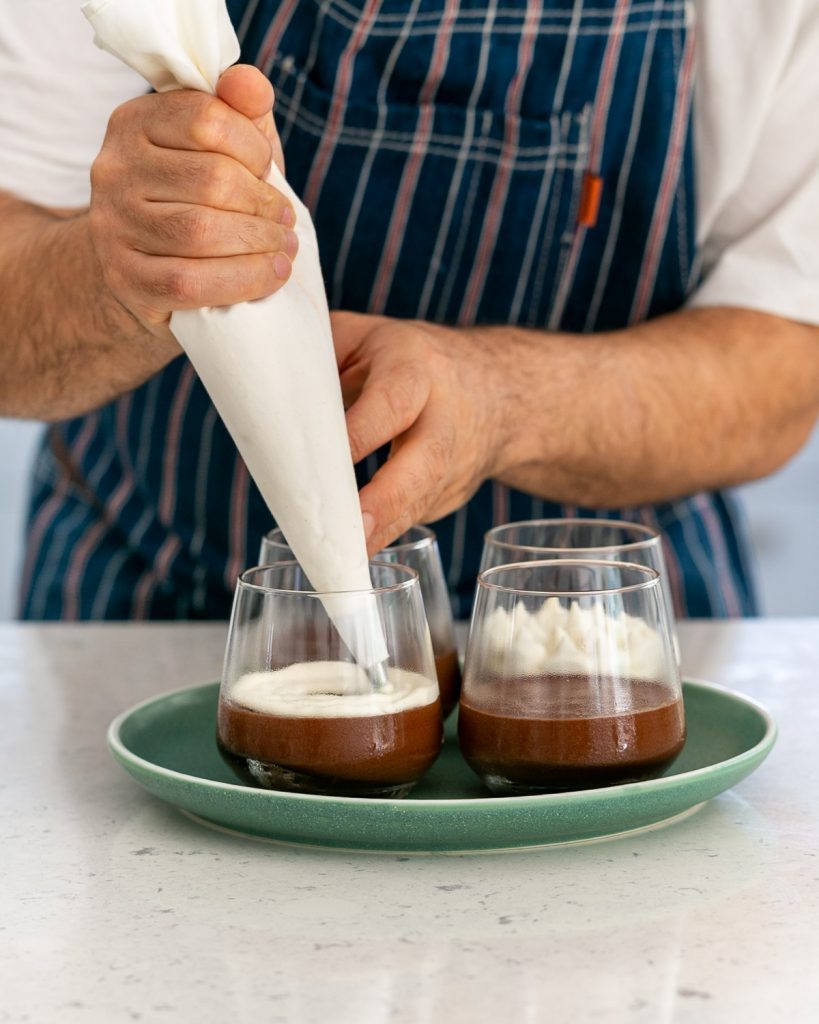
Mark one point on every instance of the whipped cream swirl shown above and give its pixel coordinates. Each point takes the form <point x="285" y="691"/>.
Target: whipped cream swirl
<point x="330" y="689"/>
<point x="569" y="640"/>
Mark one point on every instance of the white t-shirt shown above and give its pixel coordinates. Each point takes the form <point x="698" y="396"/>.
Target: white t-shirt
<point x="756" y="120"/>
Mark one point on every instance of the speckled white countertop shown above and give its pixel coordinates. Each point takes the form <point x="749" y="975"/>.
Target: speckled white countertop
<point x="115" y="907"/>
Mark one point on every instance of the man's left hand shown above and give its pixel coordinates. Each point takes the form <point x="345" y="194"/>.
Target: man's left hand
<point x="443" y="398"/>
<point x="696" y="400"/>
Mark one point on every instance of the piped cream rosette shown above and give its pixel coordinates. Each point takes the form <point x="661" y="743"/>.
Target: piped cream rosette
<point x="568" y="639"/>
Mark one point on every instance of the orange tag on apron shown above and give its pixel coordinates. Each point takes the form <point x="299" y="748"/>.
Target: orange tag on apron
<point x="590" y="200"/>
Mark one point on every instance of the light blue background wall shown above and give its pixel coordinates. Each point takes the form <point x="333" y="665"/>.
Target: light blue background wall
<point x="783" y="513"/>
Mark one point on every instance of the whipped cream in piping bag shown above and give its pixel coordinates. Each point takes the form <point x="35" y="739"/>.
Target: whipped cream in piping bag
<point x="268" y="366"/>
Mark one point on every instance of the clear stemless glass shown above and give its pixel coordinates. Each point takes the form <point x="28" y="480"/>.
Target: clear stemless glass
<point x="605" y="540"/>
<point x="295" y="710"/>
<point x="571" y="680"/>
<point x="417" y="548"/>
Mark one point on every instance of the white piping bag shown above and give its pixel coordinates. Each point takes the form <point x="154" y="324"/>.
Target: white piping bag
<point x="268" y="366"/>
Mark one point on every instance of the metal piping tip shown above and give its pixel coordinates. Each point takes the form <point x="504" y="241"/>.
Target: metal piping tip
<point x="378" y="676"/>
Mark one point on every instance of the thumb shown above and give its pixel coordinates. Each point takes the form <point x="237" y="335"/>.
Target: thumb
<point x="349" y="332"/>
<point x="246" y="89"/>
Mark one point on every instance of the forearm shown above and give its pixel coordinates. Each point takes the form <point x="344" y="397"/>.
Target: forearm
<point x="67" y="345"/>
<point x="696" y="400"/>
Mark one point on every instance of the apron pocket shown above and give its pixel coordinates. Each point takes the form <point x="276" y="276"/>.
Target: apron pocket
<point x="451" y="214"/>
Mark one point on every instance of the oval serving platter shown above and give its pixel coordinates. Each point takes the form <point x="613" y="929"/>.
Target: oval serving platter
<point x="168" y="745"/>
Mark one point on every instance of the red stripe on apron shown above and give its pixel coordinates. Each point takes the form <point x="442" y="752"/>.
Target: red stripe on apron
<point x="673" y="569"/>
<point x="662" y="207"/>
<point x="239" y="495"/>
<point x="335" y="118"/>
<point x="83" y="552"/>
<point x="412" y="169"/>
<point x="719" y="550"/>
<point x="48" y="513"/>
<point x="173" y="443"/>
<point x="597" y="134"/>
<point x="277" y="27"/>
<point x="166" y="506"/>
<point x="147" y="584"/>
<point x="500" y="503"/>
<point x="500" y="186"/>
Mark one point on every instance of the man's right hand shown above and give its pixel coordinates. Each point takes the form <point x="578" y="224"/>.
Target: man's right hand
<point x="181" y="216"/>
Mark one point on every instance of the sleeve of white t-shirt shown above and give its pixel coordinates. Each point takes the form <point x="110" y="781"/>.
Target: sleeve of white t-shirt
<point x="757" y="135"/>
<point x="58" y="91"/>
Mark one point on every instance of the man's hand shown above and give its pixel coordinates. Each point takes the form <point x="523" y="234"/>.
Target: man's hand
<point x="444" y="398"/>
<point x="697" y="400"/>
<point x="180" y="214"/>
<point x="180" y="218"/>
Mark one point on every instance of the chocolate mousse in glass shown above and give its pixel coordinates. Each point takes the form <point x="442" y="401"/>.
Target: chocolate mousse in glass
<point x="298" y="711"/>
<point x="571" y="679"/>
<point x="417" y="547"/>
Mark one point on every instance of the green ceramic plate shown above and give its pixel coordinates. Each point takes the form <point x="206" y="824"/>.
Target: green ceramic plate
<point x="168" y="745"/>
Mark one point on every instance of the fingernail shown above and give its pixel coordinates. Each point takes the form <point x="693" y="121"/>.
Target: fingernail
<point x="288" y="217"/>
<point x="368" y="519"/>
<point x="282" y="266"/>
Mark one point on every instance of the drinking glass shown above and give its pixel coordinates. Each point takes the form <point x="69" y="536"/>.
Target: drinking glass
<point x="601" y="539"/>
<point x="570" y="680"/>
<point x="418" y="549"/>
<point x="297" y="712"/>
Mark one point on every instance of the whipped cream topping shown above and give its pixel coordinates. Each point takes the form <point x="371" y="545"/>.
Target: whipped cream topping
<point x="331" y="689"/>
<point x="572" y="640"/>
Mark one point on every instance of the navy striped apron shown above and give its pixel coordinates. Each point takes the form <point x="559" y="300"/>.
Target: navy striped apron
<point x="466" y="162"/>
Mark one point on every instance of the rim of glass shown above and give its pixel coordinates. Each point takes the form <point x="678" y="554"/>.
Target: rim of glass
<point x="411" y="578"/>
<point x="652" y="577"/>
<point x="426" y="539"/>
<point x="651" y="536"/>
